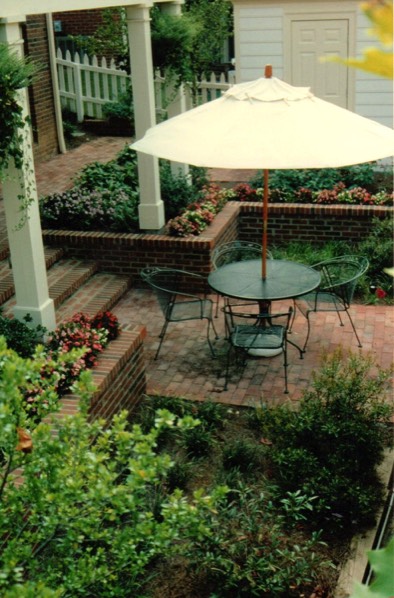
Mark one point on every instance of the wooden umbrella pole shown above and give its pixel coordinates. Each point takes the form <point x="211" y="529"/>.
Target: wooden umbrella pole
<point x="265" y="225"/>
<point x="268" y="75"/>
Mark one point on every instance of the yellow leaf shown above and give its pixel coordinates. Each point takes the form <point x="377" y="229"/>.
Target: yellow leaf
<point x="374" y="61"/>
<point x="380" y="13"/>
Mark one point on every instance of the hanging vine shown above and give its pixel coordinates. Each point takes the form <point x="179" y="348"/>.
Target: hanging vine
<point x="15" y="74"/>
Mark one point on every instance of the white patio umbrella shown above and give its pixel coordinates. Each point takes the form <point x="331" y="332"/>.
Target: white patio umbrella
<point x="268" y="124"/>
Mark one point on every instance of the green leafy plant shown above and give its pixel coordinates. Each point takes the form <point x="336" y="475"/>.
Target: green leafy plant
<point x="122" y="109"/>
<point x="80" y="523"/>
<point x="382" y="585"/>
<point x="331" y="447"/>
<point x="251" y="555"/>
<point x="21" y="336"/>
<point x="15" y="73"/>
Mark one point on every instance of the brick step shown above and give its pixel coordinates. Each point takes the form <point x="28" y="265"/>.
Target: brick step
<point x="52" y="255"/>
<point x="67" y="276"/>
<point x="100" y="293"/>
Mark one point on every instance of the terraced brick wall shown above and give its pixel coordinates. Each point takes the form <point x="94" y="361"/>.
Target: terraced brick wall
<point x="129" y="253"/>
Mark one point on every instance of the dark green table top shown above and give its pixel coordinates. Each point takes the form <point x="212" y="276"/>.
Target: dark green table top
<point x="284" y="280"/>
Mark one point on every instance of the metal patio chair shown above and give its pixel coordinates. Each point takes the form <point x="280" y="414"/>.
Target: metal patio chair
<point x="235" y="251"/>
<point x="172" y="288"/>
<point x="339" y="278"/>
<point x="257" y="335"/>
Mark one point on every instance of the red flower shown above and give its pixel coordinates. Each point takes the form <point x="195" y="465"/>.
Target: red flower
<point x="380" y="293"/>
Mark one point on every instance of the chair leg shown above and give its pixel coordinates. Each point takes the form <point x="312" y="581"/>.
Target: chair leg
<point x="161" y="337"/>
<point x="354" y="328"/>
<point x="227" y="369"/>
<point x="308" y="332"/>
<point x="292" y="318"/>
<point x="210" y="321"/>
<point x="217" y="306"/>
<point x="285" y="367"/>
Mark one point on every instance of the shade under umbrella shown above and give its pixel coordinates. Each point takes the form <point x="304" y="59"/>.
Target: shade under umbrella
<point x="268" y="124"/>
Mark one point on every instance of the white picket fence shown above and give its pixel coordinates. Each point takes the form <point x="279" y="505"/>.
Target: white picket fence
<point x="86" y="84"/>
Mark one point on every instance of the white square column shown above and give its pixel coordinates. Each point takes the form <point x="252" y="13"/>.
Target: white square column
<point x="151" y="208"/>
<point x="25" y="242"/>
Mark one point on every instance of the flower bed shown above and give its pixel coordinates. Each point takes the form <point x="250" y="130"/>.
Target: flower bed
<point x="339" y="194"/>
<point x="72" y="348"/>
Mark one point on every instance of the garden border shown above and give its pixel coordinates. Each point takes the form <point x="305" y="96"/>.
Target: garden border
<point x="128" y="253"/>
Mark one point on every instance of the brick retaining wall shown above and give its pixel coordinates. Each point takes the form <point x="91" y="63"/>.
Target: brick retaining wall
<point x="129" y="253"/>
<point x="119" y="377"/>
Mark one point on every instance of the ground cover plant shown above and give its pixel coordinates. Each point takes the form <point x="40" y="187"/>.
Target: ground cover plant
<point x="183" y="499"/>
<point x="106" y="196"/>
<point x="376" y="286"/>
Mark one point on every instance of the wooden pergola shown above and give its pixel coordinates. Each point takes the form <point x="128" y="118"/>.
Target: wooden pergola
<point x="25" y="243"/>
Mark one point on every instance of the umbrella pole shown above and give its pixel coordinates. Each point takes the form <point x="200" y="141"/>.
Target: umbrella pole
<point x="265" y="225"/>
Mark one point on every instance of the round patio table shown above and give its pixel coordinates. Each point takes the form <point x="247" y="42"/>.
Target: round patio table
<point x="285" y="280"/>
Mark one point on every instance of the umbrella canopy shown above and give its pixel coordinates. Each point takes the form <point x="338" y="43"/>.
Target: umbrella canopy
<point x="268" y="124"/>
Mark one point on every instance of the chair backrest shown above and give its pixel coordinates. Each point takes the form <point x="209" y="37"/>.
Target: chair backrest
<point x="164" y="282"/>
<point x="239" y="315"/>
<point x="170" y="283"/>
<point x="340" y="275"/>
<point x="237" y="251"/>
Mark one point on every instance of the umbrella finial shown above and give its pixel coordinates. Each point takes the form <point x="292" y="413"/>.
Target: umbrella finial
<point x="268" y="71"/>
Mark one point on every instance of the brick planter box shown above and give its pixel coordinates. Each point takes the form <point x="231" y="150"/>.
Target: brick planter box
<point x="128" y="253"/>
<point x="119" y="377"/>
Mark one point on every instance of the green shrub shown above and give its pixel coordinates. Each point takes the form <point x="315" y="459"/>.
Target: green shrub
<point x="178" y="191"/>
<point x="378" y="248"/>
<point x="122" y="109"/>
<point x="244" y="455"/>
<point x="250" y="553"/>
<point x="331" y="447"/>
<point x="20" y="336"/>
<point x="317" y="179"/>
<point x="82" y="522"/>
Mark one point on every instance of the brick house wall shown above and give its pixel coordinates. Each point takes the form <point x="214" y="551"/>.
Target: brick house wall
<point x="45" y="143"/>
<point x="79" y="22"/>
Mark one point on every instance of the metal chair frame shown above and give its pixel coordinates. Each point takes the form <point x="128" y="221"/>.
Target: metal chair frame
<point x="235" y="251"/>
<point x="176" y="304"/>
<point x="335" y="293"/>
<point x="256" y="331"/>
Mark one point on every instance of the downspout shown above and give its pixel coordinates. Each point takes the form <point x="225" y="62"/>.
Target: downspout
<point x="55" y="84"/>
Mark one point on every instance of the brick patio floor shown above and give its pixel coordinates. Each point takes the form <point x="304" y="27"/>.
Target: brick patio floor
<point x="185" y="366"/>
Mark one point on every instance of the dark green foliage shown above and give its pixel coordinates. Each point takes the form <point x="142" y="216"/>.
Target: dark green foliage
<point x="317" y="179"/>
<point x="243" y="455"/>
<point x="332" y="446"/>
<point x="378" y="248"/>
<point x="177" y="191"/>
<point x="198" y="442"/>
<point x="118" y="174"/>
<point x="21" y="337"/>
<point x="172" y="43"/>
<point x="122" y="109"/>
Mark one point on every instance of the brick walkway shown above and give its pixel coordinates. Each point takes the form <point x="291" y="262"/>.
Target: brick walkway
<point x="185" y="366"/>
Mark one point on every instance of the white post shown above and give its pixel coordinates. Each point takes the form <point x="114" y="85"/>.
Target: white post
<point x="151" y="208"/>
<point x="25" y="243"/>
<point x="178" y="104"/>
